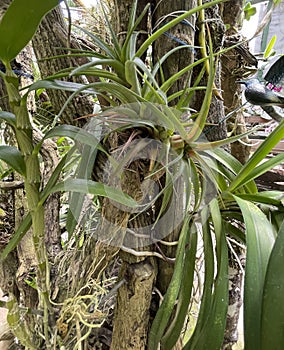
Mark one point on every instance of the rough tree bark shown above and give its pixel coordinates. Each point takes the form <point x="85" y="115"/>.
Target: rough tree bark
<point x="181" y="33"/>
<point x="20" y="265"/>
<point x="49" y="40"/>
<point x="213" y="21"/>
<point x="233" y="63"/>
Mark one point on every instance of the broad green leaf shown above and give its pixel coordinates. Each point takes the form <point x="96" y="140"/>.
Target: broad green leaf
<point x="260" y="240"/>
<point x="13" y="157"/>
<point x="226" y="159"/>
<point x="19" y="24"/>
<point x="8" y="118"/>
<point x="272" y="318"/>
<point x="232" y="164"/>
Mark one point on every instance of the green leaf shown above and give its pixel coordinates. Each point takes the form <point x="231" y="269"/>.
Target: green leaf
<point x="165" y="310"/>
<point x="131" y="76"/>
<point x="19" y="24"/>
<point x="92" y="187"/>
<point x="265" y="166"/>
<point x="272" y="335"/>
<point x="200" y="146"/>
<point x="200" y="121"/>
<point x="249" y="11"/>
<point x="260" y="240"/>
<point x="173" y="333"/>
<point x="247" y="172"/>
<point x="87" y="69"/>
<point x="268" y="51"/>
<point x="8" y="118"/>
<point x="207" y="298"/>
<point x="110" y="52"/>
<point x="234" y="231"/>
<point x="73" y="132"/>
<point x="76" y="199"/>
<point x="233" y="165"/>
<point x="26" y="223"/>
<point x="13" y="157"/>
<point x="211" y="326"/>
<point x="113" y="34"/>
<point x="130" y="40"/>
<point x="144" y="47"/>
<point x="17" y="236"/>
<point x="60" y="85"/>
<point x="263" y="198"/>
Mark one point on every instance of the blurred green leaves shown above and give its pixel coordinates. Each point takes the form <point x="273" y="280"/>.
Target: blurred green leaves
<point x="249" y="11"/>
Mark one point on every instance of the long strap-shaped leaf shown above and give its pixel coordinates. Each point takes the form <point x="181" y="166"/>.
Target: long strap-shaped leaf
<point x="209" y="331"/>
<point x="247" y="172"/>
<point x="260" y="240"/>
<point x="174" y="331"/>
<point x="144" y="47"/>
<point x="163" y="315"/>
<point x="272" y="318"/>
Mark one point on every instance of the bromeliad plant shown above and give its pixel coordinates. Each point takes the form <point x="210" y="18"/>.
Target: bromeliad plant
<point x="236" y="208"/>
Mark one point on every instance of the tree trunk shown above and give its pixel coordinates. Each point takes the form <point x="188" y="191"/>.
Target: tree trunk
<point x="132" y="307"/>
<point x="233" y="63"/>
<point x="17" y="270"/>
<point x="217" y="129"/>
<point x="50" y="38"/>
<point x="181" y="34"/>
